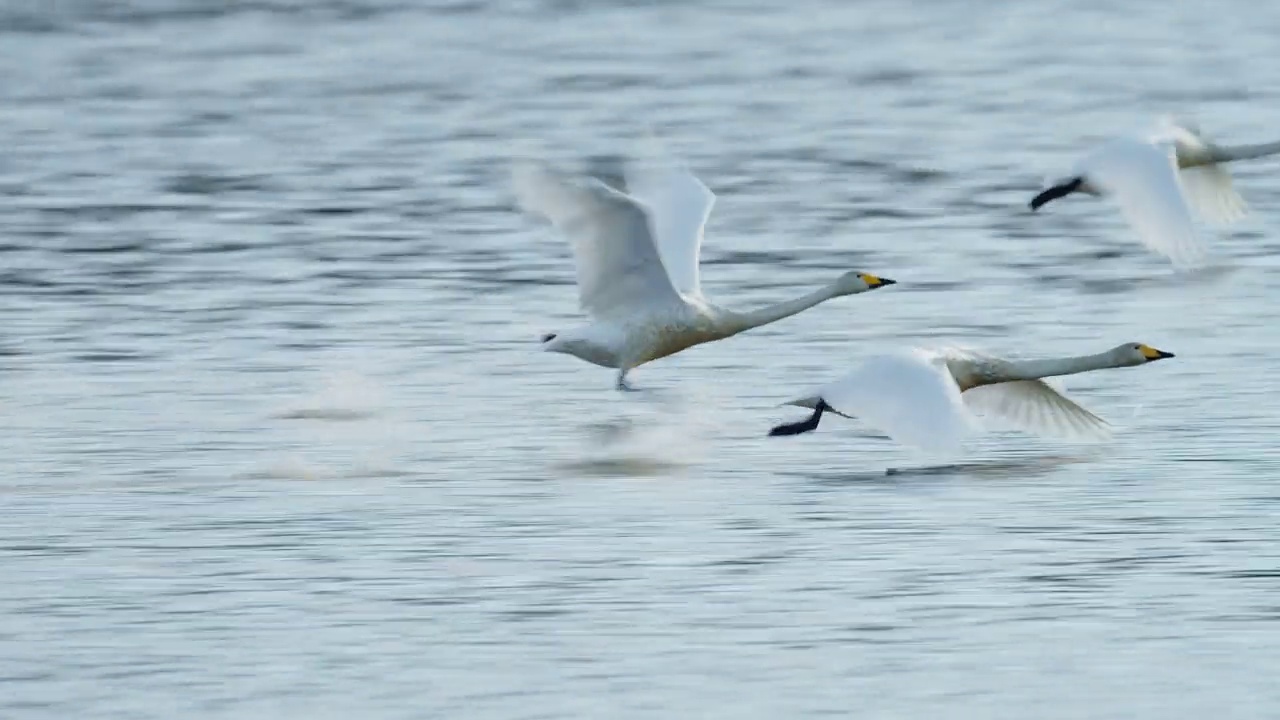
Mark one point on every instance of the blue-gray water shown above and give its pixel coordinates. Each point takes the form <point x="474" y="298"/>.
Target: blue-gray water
<point x="279" y="442"/>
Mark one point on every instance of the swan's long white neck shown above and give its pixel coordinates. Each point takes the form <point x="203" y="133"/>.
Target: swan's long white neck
<point x="1240" y="152"/>
<point x="1036" y="369"/>
<point x="736" y="322"/>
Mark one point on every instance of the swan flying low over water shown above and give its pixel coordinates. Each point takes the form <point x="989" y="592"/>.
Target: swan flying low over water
<point x="637" y="265"/>
<point x="928" y="398"/>
<point x="1158" y="178"/>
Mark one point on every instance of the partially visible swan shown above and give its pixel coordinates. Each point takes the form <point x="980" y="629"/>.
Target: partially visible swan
<point x="928" y="397"/>
<point x="1158" y="177"/>
<point x="637" y="262"/>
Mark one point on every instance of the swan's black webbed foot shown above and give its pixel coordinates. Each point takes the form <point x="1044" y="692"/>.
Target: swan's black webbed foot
<point x="622" y="385"/>
<point x="804" y="426"/>
<point x="1055" y="192"/>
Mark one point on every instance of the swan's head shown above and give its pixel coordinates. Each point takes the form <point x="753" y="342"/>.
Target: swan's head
<point x="855" y="282"/>
<point x="1057" y="189"/>
<point x="1137" y="354"/>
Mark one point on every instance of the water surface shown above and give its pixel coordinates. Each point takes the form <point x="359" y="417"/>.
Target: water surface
<point x="280" y="441"/>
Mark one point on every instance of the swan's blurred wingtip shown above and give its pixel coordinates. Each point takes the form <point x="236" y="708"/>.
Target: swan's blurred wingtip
<point x="1190" y="263"/>
<point x="1095" y="435"/>
<point x="525" y="172"/>
<point x="653" y="150"/>
<point x="1097" y="429"/>
<point x="651" y="144"/>
<point x="531" y="180"/>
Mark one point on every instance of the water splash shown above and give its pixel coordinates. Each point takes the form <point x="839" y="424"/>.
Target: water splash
<point x="654" y="433"/>
<point x="341" y="396"/>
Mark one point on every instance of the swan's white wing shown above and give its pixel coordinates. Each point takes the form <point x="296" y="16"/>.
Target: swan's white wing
<point x="679" y="205"/>
<point x="619" y="270"/>
<point x="1040" y="407"/>
<point x="1209" y="190"/>
<point x="1170" y="126"/>
<point x="909" y="396"/>
<point x="1207" y="187"/>
<point x="1036" y="407"/>
<point x="1143" y="179"/>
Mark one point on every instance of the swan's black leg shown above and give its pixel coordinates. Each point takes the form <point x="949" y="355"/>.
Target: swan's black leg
<point x="622" y="385"/>
<point x="1056" y="192"/>
<point x="804" y="426"/>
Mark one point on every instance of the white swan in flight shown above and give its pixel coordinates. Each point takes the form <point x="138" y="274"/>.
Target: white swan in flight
<point x="1158" y="178"/>
<point x="928" y="398"/>
<point x="637" y="263"/>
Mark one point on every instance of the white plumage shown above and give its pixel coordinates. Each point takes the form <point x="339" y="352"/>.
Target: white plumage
<point x="932" y="398"/>
<point x="637" y="265"/>
<point x="1142" y="178"/>
<point x="619" y="269"/>
<point x="1159" y="177"/>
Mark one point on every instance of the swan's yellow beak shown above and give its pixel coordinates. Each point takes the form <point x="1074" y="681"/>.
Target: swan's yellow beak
<point x="874" y="282"/>
<point x="1151" y="353"/>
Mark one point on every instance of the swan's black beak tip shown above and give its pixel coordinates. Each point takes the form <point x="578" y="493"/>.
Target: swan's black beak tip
<point x="875" y="281"/>
<point x="1161" y="355"/>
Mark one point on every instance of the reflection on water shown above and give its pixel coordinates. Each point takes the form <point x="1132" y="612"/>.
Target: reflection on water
<point x="1019" y="469"/>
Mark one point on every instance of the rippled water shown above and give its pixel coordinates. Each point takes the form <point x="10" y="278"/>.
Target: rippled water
<point x="280" y="441"/>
